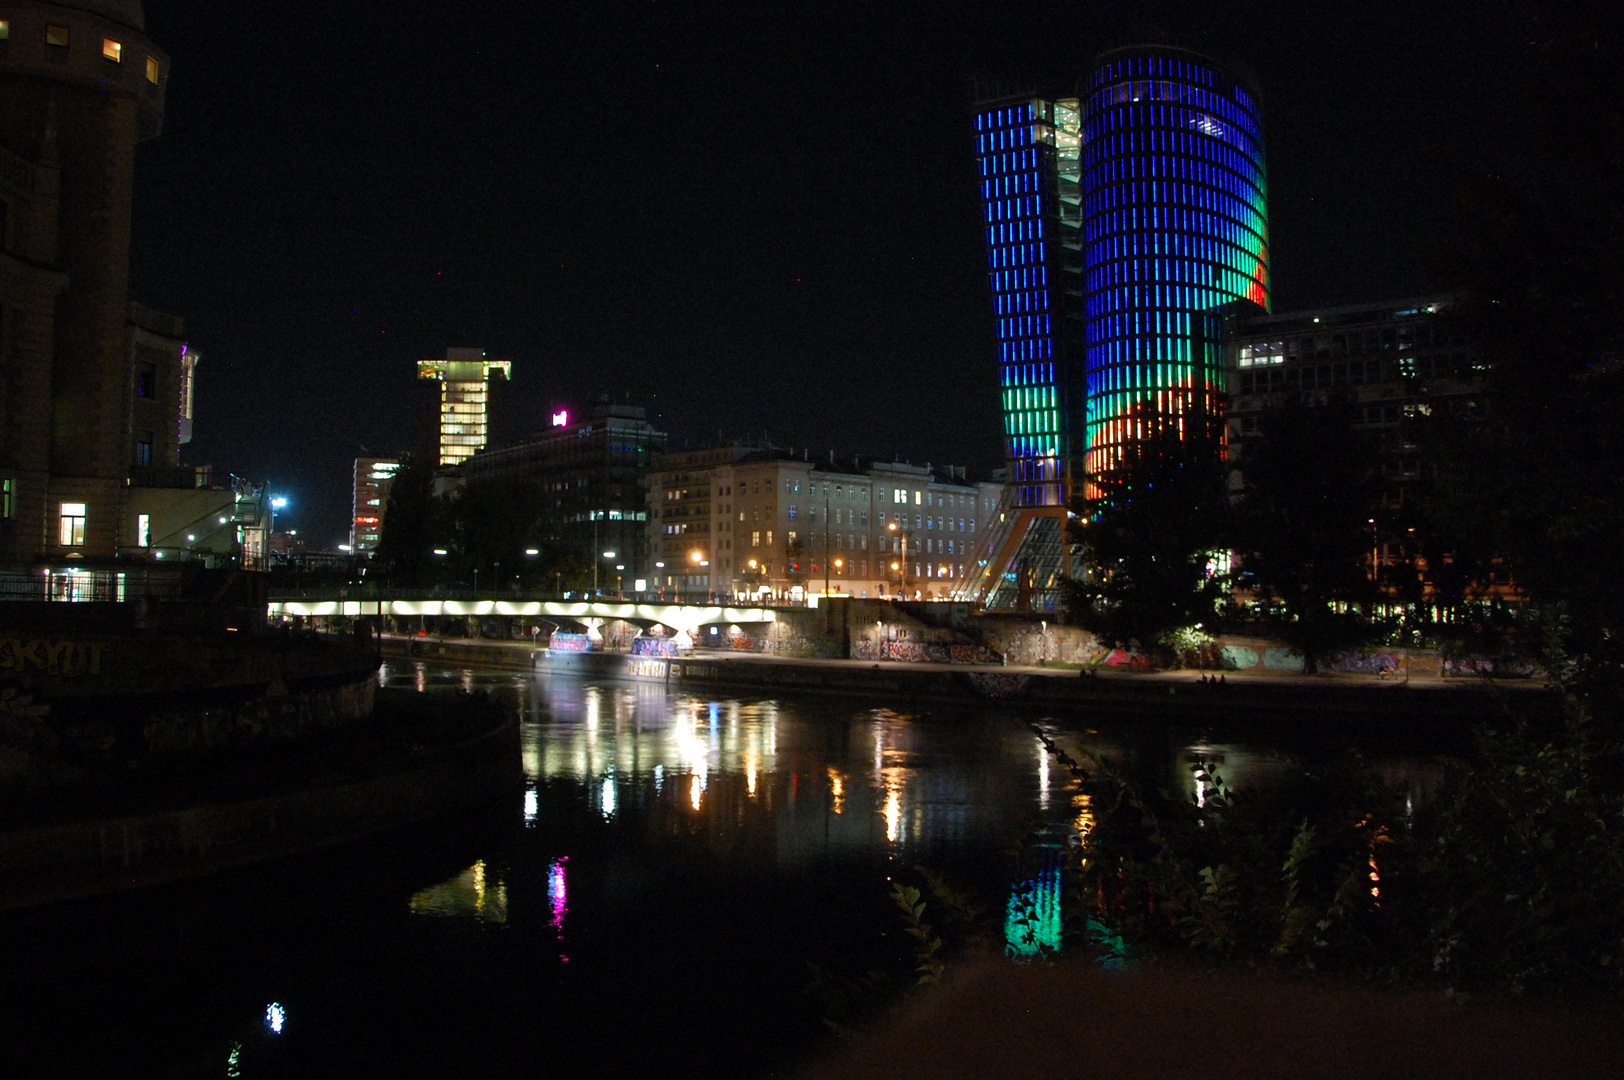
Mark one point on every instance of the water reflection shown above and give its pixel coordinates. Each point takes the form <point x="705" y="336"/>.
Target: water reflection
<point x="673" y="858"/>
<point x="476" y="893"/>
<point x="782" y="782"/>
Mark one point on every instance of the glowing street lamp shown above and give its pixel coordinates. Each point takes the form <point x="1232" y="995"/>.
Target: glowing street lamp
<point x="902" y="564"/>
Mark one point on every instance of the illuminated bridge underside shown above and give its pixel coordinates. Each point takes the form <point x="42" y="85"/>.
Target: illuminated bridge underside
<point x="1174" y="227"/>
<point x="677" y="616"/>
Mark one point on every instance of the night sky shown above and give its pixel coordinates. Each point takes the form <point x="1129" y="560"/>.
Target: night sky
<point x="759" y="220"/>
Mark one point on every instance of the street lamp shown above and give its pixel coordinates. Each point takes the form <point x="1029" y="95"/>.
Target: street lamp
<point x="607" y="555"/>
<point x="898" y="530"/>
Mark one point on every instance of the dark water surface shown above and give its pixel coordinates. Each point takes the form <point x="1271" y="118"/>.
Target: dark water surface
<point x="648" y="905"/>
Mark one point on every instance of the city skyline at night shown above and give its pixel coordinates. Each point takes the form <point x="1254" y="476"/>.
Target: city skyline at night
<point x="355" y="191"/>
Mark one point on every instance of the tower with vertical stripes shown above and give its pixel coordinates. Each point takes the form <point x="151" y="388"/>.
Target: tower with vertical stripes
<point x="1117" y="225"/>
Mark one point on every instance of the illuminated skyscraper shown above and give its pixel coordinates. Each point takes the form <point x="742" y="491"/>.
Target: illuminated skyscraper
<point x="1174" y="228"/>
<point x="1029" y="158"/>
<point x="1028" y="151"/>
<point x="1118" y="224"/>
<point x="465" y="398"/>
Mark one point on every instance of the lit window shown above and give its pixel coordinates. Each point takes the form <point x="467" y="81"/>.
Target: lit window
<point x="56" y="35"/>
<point x="143" y="530"/>
<point x="5" y="29"/>
<point x="8" y="495"/>
<point x="71" y="532"/>
<point x="113" y="50"/>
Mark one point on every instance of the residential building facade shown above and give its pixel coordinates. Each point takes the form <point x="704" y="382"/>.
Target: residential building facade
<point x="763" y="525"/>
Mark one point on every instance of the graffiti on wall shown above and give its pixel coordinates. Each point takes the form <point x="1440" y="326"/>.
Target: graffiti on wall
<point x="70" y="659"/>
<point x="922" y="652"/>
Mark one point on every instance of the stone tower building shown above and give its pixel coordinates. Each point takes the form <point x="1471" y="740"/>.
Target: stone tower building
<point x="86" y="379"/>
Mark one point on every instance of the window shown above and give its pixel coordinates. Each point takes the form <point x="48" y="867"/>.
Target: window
<point x="152" y="70"/>
<point x="146" y="381"/>
<point x="899" y="495"/>
<point x="755" y="538"/>
<point x="143" y="448"/>
<point x="112" y="50"/>
<point x="8" y="497"/>
<point x="56" y="35"/>
<point x="143" y="530"/>
<point x="919" y="498"/>
<point x="769" y="538"/>
<point x="792" y="511"/>
<point x="5" y="29"/>
<point x="71" y="531"/>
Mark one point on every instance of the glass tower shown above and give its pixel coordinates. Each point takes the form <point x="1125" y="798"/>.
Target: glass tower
<point x="1029" y="154"/>
<point x="1174" y="227"/>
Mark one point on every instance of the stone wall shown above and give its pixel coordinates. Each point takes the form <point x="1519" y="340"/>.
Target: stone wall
<point x="92" y="707"/>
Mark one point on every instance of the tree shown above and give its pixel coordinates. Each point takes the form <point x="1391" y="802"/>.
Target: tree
<point x="1149" y="539"/>
<point x="489" y="525"/>
<point x="1305" y="531"/>
<point x="1536" y="472"/>
<point x="409" y="524"/>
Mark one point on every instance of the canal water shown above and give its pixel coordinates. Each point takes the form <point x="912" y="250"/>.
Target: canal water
<point x="660" y="899"/>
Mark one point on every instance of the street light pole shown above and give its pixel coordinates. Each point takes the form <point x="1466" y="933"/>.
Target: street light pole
<point x="902" y="570"/>
<point x="825" y="541"/>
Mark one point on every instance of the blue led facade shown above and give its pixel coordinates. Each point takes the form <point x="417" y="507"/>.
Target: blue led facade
<point x="1174" y="227"/>
<point x="1029" y="153"/>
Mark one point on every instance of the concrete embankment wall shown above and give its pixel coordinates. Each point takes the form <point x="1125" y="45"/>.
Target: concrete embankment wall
<point x="63" y="861"/>
<point x="1059" y="692"/>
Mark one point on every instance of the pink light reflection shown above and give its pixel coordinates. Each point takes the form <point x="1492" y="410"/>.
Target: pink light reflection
<point x="557" y="891"/>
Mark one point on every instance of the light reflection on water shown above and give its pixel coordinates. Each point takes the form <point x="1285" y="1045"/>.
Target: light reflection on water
<point x="652" y="895"/>
<point x="785" y="781"/>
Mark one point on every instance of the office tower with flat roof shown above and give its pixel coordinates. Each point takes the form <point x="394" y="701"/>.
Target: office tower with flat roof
<point x="467" y="384"/>
<point x="374" y="476"/>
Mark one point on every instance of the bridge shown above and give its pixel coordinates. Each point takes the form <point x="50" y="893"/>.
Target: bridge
<point x="689" y="617"/>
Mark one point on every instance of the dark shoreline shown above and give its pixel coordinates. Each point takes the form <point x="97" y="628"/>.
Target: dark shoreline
<point x="408" y="765"/>
<point x="1338" y="700"/>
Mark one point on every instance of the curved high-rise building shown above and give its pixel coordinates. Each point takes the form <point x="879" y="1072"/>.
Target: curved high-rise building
<point x="1117" y="225"/>
<point x="1174" y="227"/>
